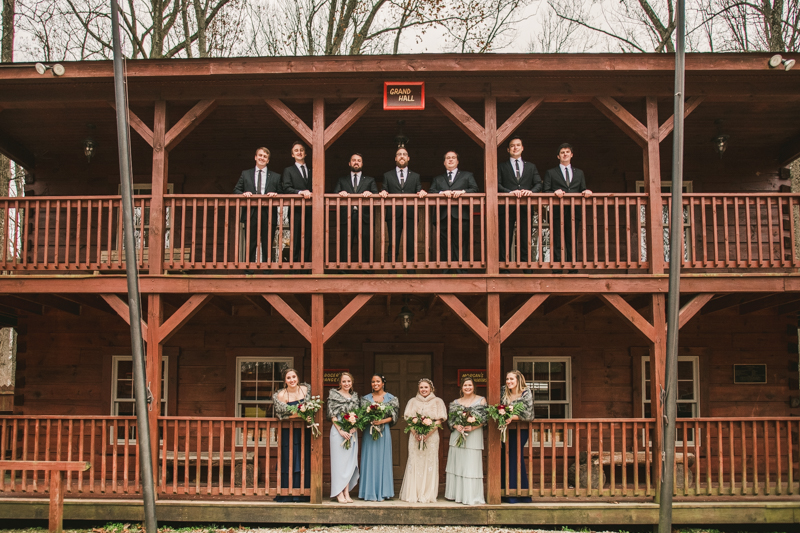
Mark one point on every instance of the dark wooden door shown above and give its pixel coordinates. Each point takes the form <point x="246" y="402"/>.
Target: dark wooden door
<point x="402" y="373"/>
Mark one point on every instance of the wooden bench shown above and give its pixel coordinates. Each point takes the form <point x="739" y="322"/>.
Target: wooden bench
<point x="56" y="469"/>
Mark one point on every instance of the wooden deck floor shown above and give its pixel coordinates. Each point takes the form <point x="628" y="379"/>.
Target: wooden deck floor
<point x="783" y="511"/>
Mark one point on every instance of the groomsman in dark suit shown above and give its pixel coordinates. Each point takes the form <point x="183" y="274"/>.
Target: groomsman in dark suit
<point x="296" y="179"/>
<point x="355" y="182"/>
<point x="452" y="184"/>
<point x="401" y="181"/>
<point x="259" y="180"/>
<point x="560" y="180"/>
<point x="520" y="178"/>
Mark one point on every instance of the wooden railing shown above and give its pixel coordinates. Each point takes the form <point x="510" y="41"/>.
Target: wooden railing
<point x="613" y="457"/>
<point x="215" y="456"/>
<point x="604" y="231"/>
<point x="741" y="231"/>
<point x="69" y="233"/>
<point x="215" y="232"/>
<point x="348" y="239"/>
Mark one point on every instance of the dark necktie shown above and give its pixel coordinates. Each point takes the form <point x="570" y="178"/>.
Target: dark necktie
<point x="566" y="175"/>
<point x="305" y="176"/>
<point x="450" y="178"/>
<point x="258" y="183"/>
<point x="402" y="179"/>
<point x="516" y="163"/>
<point x="355" y="182"/>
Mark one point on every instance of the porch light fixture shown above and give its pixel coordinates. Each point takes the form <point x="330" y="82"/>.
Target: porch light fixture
<point x="777" y="60"/>
<point x="89" y="144"/>
<point x="405" y="316"/>
<point x="400" y="139"/>
<point x="57" y="68"/>
<point x="721" y="140"/>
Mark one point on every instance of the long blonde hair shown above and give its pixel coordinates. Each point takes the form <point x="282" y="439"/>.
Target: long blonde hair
<point x="352" y="381"/>
<point x="521" y="386"/>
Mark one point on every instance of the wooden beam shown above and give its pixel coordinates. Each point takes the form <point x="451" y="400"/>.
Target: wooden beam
<point x="522" y="314"/>
<point x="318" y="186"/>
<point x="344" y="315"/>
<point x="666" y="128"/>
<point x="317" y="372"/>
<point x="15" y="151"/>
<point x="692" y="307"/>
<point x="490" y="182"/>
<point x="622" y="118"/>
<point x="345" y="120"/>
<point x="290" y="119"/>
<point x="192" y="306"/>
<point x="776" y="300"/>
<point x="122" y="310"/>
<point x="519" y="116"/>
<point x="461" y="118"/>
<point x="51" y="300"/>
<point x="493" y="376"/>
<point x="137" y="124"/>
<point x="466" y="316"/>
<point x="289" y="314"/>
<point x="159" y="180"/>
<point x="631" y="315"/>
<point x="23" y="305"/>
<point x="652" y="176"/>
<point x="189" y="122"/>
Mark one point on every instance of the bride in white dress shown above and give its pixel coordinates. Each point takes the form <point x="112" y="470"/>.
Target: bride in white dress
<point x="421" y="480"/>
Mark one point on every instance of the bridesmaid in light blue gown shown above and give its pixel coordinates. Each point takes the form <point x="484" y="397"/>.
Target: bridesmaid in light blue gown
<point x="344" y="462"/>
<point x="465" y="464"/>
<point x="377" y="479"/>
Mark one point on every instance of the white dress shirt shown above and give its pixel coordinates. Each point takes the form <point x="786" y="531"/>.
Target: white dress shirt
<point x="264" y="174"/>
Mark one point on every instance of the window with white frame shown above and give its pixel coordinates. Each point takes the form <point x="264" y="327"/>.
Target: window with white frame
<point x="123" y="400"/>
<point x="688" y="390"/>
<point x="257" y="379"/>
<point x="550" y="381"/>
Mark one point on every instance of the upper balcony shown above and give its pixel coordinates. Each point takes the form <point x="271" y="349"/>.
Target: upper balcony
<point x="211" y="233"/>
<point x="195" y="128"/>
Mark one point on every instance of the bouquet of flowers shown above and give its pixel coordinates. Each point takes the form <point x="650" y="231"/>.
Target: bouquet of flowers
<point x="421" y="425"/>
<point x="306" y="411"/>
<point x="464" y="417"/>
<point x="502" y="414"/>
<point x="347" y="422"/>
<point x="372" y="412"/>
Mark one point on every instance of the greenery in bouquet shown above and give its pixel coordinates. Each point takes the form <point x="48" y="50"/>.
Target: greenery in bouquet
<point x="502" y="413"/>
<point x="421" y="425"/>
<point x="306" y="411"/>
<point x="348" y="421"/>
<point x="372" y="413"/>
<point x="467" y="418"/>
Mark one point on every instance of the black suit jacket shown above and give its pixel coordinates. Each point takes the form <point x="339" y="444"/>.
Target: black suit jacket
<point x="293" y="181"/>
<point x="366" y="183"/>
<point x="247" y="182"/>
<point x="411" y="185"/>
<point x="463" y="181"/>
<point x="554" y="181"/>
<point x="528" y="181"/>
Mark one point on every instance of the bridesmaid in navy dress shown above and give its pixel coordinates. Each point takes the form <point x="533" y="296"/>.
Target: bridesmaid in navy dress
<point x="294" y="393"/>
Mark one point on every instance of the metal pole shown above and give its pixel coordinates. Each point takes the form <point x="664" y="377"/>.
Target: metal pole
<point x="131" y="268"/>
<point x="669" y="396"/>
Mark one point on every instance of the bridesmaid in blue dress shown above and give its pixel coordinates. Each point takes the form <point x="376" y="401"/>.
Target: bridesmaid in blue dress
<point x="377" y="479"/>
<point x="344" y="462"/>
<point x="515" y="392"/>
<point x="293" y="394"/>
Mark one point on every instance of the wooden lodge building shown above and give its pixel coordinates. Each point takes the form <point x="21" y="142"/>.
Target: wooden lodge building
<point x="587" y="331"/>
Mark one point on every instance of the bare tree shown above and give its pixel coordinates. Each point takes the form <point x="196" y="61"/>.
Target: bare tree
<point x="765" y="25"/>
<point x="559" y="35"/>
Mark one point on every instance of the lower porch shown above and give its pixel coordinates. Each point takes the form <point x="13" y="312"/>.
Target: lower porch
<point x="541" y="513"/>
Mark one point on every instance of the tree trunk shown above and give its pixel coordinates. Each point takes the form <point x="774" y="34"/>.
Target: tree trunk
<point x="9" y="11"/>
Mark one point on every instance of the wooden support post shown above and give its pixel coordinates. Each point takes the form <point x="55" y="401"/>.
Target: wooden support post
<point x="652" y="187"/>
<point x="493" y="378"/>
<point x="155" y="244"/>
<point x="56" y="521"/>
<point x="318" y="198"/>
<point x="317" y="366"/>
<point x="658" y="359"/>
<point x="155" y="352"/>
<point x="490" y="179"/>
